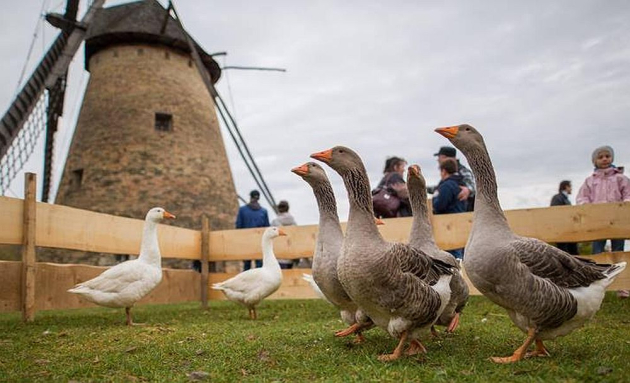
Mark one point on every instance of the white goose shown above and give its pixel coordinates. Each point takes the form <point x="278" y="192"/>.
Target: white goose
<point x="251" y="286"/>
<point x="547" y="292"/>
<point x="128" y="282"/>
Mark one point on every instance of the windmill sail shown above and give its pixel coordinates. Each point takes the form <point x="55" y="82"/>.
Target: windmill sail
<point x="40" y="102"/>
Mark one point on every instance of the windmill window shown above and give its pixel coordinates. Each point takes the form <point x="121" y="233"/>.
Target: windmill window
<point x="140" y="52"/>
<point x="115" y="53"/>
<point x="77" y="178"/>
<point x="190" y="63"/>
<point x="167" y="55"/>
<point x="163" y="122"/>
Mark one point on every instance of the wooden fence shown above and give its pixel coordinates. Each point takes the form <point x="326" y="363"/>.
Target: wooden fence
<point x="29" y="286"/>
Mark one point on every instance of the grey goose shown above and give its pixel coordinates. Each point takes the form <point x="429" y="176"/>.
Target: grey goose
<point x="327" y="250"/>
<point x="546" y="292"/>
<point x="386" y="280"/>
<point x="421" y="237"/>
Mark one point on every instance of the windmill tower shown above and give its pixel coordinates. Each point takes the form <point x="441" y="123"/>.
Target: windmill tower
<point x="147" y="133"/>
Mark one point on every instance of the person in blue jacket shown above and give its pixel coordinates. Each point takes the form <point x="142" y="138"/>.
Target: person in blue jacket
<point x="252" y="215"/>
<point x="445" y="199"/>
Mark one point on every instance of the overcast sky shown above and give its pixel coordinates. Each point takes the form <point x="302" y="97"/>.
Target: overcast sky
<point x="544" y="81"/>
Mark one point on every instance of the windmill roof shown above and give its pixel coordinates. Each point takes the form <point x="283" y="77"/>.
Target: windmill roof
<point x="140" y="22"/>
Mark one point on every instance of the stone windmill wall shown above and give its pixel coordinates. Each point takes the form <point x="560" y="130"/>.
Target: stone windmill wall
<point x="147" y="133"/>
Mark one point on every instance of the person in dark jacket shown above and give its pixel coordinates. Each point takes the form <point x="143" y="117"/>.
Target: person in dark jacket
<point x="467" y="185"/>
<point x="252" y="215"/>
<point x="445" y="200"/>
<point x="560" y="199"/>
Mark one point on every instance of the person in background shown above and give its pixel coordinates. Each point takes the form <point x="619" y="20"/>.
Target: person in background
<point x="562" y="198"/>
<point x="252" y="215"/>
<point x="467" y="183"/>
<point x="393" y="180"/>
<point x="606" y="184"/>
<point x="284" y="218"/>
<point x="445" y="197"/>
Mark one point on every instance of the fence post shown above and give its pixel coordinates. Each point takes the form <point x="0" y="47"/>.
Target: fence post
<point x="205" y="256"/>
<point x="28" y="248"/>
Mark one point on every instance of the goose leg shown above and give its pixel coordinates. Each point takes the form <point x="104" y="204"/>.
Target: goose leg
<point x="130" y="321"/>
<point x="415" y="347"/>
<point x="252" y="313"/>
<point x="434" y="332"/>
<point x="128" y="312"/>
<point x="397" y="351"/>
<point x="540" y="350"/>
<point x="454" y="324"/>
<point x="350" y="330"/>
<point x="520" y="352"/>
<point x="360" y="338"/>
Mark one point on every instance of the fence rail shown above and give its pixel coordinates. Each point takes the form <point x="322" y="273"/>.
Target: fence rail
<point x="29" y="286"/>
<point x="64" y="227"/>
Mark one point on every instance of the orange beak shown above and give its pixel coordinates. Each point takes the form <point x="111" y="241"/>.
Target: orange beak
<point x="300" y="170"/>
<point x="281" y="232"/>
<point x="414" y="170"/>
<point x="168" y="215"/>
<point x="448" y="132"/>
<point x="324" y="156"/>
<point x="379" y="221"/>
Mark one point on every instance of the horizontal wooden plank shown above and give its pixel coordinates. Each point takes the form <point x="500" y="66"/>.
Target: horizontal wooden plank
<point x="555" y="224"/>
<point x="75" y="229"/>
<point x="68" y="228"/>
<point x="11" y="286"/>
<point x="53" y="281"/>
<point x="11" y="220"/>
<point x="294" y="287"/>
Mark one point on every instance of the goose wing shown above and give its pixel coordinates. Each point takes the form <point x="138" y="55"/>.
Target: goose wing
<point x="409" y="291"/>
<point x="243" y="281"/>
<point x="562" y="269"/>
<point x="115" y="279"/>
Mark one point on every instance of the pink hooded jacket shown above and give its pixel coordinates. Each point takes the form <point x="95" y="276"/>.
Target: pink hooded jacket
<point x="604" y="185"/>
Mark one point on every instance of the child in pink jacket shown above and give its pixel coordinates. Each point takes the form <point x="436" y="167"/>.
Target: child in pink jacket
<point x="606" y="184"/>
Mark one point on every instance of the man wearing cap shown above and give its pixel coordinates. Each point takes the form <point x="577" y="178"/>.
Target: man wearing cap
<point x="252" y="215"/>
<point x="467" y="187"/>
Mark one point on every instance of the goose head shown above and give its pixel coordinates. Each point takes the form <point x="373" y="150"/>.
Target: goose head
<point x="157" y="214"/>
<point x="464" y="137"/>
<point x="414" y="177"/>
<point x="340" y="158"/>
<point x="273" y="232"/>
<point x="312" y="173"/>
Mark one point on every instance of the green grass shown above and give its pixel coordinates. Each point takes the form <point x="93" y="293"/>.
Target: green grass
<point x="292" y="341"/>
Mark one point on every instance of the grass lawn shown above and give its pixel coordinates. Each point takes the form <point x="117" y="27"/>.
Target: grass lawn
<point x="292" y="341"/>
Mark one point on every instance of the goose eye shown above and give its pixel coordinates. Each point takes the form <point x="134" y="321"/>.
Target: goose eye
<point x="468" y="129"/>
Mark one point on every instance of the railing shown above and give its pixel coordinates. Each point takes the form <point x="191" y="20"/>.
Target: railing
<point x="30" y="286"/>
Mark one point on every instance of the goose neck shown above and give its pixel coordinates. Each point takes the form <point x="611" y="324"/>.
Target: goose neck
<point x="487" y="207"/>
<point x="421" y="228"/>
<point x="326" y="202"/>
<point x="149" y="248"/>
<point x="361" y="216"/>
<point x="269" y="258"/>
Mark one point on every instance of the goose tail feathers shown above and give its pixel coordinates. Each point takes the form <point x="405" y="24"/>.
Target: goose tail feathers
<point x="614" y="270"/>
<point x="218" y="286"/>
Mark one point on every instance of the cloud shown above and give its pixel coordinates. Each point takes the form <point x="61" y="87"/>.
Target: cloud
<point x="545" y="82"/>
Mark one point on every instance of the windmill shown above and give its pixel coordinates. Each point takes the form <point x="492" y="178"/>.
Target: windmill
<point x="148" y="130"/>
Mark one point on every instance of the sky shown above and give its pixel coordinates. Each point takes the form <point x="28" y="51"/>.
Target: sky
<point x="545" y="82"/>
